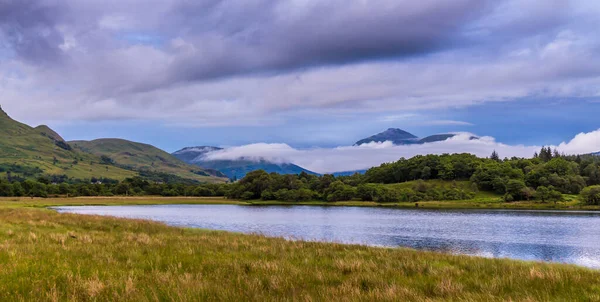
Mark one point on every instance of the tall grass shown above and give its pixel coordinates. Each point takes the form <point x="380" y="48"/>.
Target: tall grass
<point x="46" y="256"/>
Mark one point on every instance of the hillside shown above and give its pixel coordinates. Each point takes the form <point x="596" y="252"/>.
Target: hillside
<point x="30" y="152"/>
<point x="234" y="169"/>
<point x="143" y="157"/>
<point x="27" y="152"/>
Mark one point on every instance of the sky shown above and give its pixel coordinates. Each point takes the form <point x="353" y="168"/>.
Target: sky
<point x="308" y="75"/>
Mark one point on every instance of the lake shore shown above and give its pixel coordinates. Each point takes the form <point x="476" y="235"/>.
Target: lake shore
<point x="45" y="255"/>
<point x="480" y="203"/>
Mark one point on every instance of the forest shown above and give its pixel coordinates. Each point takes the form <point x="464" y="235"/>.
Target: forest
<point x="546" y="177"/>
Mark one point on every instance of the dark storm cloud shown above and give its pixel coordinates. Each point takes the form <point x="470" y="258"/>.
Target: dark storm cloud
<point x="264" y="35"/>
<point x="231" y="37"/>
<point x="29" y="28"/>
<point x="237" y="61"/>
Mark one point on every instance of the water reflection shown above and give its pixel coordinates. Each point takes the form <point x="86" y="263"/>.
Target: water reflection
<point x="570" y="237"/>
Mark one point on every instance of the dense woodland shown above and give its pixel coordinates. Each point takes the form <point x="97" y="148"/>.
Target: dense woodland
<point x="544" y="178"/>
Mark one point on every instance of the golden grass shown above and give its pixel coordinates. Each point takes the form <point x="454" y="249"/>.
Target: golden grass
<point x="46" y="256"/>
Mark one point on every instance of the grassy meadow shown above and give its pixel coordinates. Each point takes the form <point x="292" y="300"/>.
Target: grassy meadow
<point x="46" y="256"/>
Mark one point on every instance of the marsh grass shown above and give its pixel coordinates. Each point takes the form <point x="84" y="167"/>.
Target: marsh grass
<point x="46" y="256"/>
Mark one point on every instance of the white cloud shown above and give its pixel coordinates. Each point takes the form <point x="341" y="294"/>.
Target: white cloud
<point x="582" y="143"/>
<point x="347" y="158"/>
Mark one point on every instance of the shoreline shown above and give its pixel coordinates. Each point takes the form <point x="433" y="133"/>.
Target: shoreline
<point x="477" y="204"/>
<point x="72" y="211"/>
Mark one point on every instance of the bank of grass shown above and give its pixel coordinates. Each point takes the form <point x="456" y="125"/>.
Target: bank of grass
<point x="46" y="256"/>
<point x="21" y="202"/>
<point x="481" y="201"/>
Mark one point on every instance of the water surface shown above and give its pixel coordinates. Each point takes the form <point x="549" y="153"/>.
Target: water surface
<point x="569" y="237"/>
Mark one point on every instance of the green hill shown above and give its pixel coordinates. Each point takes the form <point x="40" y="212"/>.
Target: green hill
<point x="142" y="157"/>
<point x="31" y="152"/>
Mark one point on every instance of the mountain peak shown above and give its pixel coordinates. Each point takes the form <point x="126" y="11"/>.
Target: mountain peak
<point x="399" y="131"/>
<point x="197" y="149"/>
<point x="395" y="135"/>
<point x="2" y="112"/>
<point x="48" y="132"/>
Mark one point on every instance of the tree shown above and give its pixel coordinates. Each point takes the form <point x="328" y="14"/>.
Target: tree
<point x="122" y="189"/>
<point x="338" y="191"/>
<point x="542" y="193"/>
<point x="18" y="190"/>
<point x="495" y="156"/>
<point x="426" y="173"/>
<point x="527" y="193"/>
<point x="591" y="195"/>
<point x="366" y="192"/>
<point x="515" y="188"/>
<point x="548" y="194"/>
<point x="545" y="154"/>
<point x="6" y="189"/>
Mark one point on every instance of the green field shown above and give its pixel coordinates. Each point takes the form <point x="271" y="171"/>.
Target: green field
<point x="46" y="256"/>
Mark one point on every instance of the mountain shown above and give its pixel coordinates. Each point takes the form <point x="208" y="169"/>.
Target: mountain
<point x="237" y="169"/>
<point x="234" y="169"/>
<point x="189" y="154"/>
<point x="27" y="152"/>
<point x="401" y="137"/>
<point x="436" y="138"/>
<point x="396" y="136"/>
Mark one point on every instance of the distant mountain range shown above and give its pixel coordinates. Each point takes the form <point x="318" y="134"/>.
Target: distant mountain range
<point x="234" y="169"/>
<point x="401" y="137"/>
<point x="28" y="152"/>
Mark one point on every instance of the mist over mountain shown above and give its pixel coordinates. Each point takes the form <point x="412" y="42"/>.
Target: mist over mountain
<point x="234" y="168"/>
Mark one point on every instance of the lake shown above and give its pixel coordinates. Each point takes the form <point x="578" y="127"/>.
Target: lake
<point x="568" y="237"/>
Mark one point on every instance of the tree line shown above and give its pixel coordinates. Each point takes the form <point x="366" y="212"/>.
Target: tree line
<point x="545" y="177"/>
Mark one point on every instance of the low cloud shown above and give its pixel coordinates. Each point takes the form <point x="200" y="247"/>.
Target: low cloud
<point x="348" y="158"/>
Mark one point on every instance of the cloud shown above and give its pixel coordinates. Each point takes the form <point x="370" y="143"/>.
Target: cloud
<point x="262" y="35"/>
<point x="447" y="123"/>
<point x="349" y="158"/>
<point x="582" y="143"/>
<point x="245" y="62"/>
